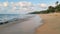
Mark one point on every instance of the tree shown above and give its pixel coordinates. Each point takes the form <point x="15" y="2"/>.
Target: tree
<point x="57" y="2"/>
<point x="51" y="9"/>
<point x="56" y="8"/>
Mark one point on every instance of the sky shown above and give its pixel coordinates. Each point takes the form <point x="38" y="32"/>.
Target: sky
<point x="24" y="6"/>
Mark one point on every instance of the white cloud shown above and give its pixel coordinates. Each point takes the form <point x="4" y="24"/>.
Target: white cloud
<point x="5" y="4"/>
<point x="12" y="2"/>
<point x="53" y="5"/>
<point x="24" y="3"/>
<point x="23" y="7"/>
<point x="0" y="4"/>
<point x="43" y="5"/>
<point x="26" y="6"/>
<point x="14" y="8"/>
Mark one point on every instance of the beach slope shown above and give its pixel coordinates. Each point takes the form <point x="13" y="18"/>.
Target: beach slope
<point x="51" y="24"/>
<point x="23" y="26"/>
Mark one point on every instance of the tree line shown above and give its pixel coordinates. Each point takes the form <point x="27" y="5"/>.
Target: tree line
<point x="50" y="9"/>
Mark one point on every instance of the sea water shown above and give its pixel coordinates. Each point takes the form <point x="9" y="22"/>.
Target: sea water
<point x="6" y="17"/>
<point x="25" y="27"/>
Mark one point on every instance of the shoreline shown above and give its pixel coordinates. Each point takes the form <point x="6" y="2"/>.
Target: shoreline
<point x="27" y="27"/>
<point x="14" y="20"/>
<point x="51" y="24"/>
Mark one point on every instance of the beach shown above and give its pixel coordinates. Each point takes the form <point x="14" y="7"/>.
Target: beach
<point x="27" y="25"/>
<point x="51" y="24"/>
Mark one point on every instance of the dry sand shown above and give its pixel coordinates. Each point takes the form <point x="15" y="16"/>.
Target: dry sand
<point x="51" y="24"/>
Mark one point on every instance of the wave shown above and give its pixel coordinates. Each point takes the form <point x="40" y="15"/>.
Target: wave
<point x="7" y="18"/>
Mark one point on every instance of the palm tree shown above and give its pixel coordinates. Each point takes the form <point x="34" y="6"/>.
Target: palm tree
<point x="57" y="2"/>
<point x="51" y="9"/>
<point x="56" y="5"/>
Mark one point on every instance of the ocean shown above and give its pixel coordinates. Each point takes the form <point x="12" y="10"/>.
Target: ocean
<point x="27" y="25"/>
<point x="7" y="17"/>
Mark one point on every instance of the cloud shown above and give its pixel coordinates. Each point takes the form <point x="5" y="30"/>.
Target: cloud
<point x="24" y="3"/>
<point x="53" y="5"/>
<point x="0" y="4"/>
<point x="5" y="4"/>
<point x="22" y="7"/>
<point x="43" y="5"/>
<point x="26" y="6"/>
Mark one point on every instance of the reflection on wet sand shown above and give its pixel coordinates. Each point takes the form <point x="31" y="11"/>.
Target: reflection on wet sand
<point x="22" y="26"/>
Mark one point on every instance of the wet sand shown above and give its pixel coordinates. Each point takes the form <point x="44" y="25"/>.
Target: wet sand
<point x="24" y="26"/>
<point x="51" y="24"/>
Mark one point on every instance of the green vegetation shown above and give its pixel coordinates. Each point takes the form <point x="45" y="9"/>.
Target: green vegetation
<point x="50" y="9"/>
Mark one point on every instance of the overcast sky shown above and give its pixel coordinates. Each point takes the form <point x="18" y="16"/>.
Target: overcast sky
<point x="24" y="6"/>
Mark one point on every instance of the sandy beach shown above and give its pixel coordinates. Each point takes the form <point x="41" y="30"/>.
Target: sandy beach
<point x="27" y="25"/>
<point x="51" y="24"/>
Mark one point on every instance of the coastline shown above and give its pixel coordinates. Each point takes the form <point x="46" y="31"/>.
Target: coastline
<point x="51" y="24"/>
<point x="15" y="20"/>
<point x="25" y="26"/>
